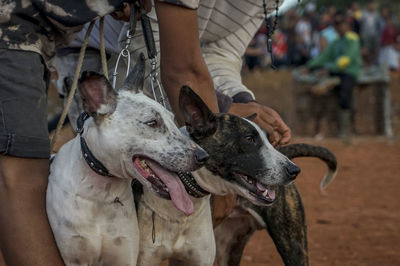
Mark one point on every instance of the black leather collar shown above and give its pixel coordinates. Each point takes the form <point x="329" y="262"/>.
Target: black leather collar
<point x="191" y="185"/>
<point x="90" y="159"/>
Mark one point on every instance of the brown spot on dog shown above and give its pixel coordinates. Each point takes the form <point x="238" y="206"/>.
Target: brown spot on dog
<point x="68" y="224"/>
<point x="118" y="241"/>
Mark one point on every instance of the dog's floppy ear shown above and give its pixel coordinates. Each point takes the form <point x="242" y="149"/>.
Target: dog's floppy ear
<point x="134" y="81"/>
<point x="98" y="96"/>
<point x="199" y="119"/>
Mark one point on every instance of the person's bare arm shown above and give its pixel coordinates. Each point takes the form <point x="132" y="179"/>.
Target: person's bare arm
<point x="25" y="234"/>
<point x="182" y="62"/>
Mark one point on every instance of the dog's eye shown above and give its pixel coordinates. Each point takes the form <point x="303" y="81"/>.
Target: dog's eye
<point x="249" y="139"/>
<point x="152" y="123"/>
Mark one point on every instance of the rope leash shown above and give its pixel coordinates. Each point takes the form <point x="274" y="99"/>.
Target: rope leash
<point x="103" y="49"/>
<point x="73" y="87"/>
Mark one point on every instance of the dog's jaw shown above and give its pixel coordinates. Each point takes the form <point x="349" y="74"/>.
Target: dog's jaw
<point x="165" y="183"/>
<point x="217" y="185"/>
<point x="235" y="166"/>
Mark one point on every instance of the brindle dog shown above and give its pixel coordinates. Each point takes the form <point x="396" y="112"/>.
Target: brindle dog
<point x="284" y="220"/>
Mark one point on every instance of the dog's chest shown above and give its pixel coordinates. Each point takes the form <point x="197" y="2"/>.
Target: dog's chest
<point x="165" y="235"/>
<point x="93" y="220"/>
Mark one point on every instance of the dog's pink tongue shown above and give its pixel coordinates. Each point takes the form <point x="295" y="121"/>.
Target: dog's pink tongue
<point x="177" y="190"/>
<point x="271" y="194"/>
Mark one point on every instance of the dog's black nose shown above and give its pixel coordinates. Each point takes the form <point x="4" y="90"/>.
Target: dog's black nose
<point x="292" y="170"/>
<point x="200" y="155"/>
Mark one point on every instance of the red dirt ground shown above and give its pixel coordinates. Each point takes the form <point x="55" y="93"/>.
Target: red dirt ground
<point x="356" y="220"/>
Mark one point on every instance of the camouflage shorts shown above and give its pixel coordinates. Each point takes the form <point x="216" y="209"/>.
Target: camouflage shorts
<point x="23" y="105"/>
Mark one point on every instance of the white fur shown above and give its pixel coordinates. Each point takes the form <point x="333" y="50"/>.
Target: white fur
<point x="93" y="217"/>
<point x="190" y="240"/>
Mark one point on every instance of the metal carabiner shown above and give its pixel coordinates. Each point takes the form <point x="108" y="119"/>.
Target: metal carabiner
<point x="126" y="54"/>
<point x="135" y="12"/>
<point x="155" y="83"/>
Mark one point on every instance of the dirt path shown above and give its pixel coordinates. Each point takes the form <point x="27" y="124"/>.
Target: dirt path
<point x="356" y="221"/>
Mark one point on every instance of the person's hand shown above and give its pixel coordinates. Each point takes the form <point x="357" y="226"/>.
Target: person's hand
<point x="125" y="13"/>
<point x="267" y="118"/>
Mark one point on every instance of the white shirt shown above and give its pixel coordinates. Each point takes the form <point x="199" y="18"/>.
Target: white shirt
<point x="226" y="27"/>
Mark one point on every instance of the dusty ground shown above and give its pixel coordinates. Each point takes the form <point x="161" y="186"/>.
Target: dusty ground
<point x="356" y="221"/>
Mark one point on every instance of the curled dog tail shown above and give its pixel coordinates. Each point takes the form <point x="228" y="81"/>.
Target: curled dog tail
<point x="307" y="150"/>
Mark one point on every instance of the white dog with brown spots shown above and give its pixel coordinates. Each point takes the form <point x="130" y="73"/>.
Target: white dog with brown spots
<point x="89" y="198"/>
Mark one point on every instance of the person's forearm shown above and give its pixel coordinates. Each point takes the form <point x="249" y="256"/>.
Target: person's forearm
<point x="25" y="234"/>
<point x="182" y="62"/>
<point x="199" y="80"/>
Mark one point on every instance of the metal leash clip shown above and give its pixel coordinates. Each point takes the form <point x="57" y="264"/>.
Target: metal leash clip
<point x="155" y="82"/>
<point x="136" y="11"/>
<point x="125" y="53"/>
<point x="152" y="55"/>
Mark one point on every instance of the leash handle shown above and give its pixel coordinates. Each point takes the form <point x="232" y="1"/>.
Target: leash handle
<point x="148" y="37"/>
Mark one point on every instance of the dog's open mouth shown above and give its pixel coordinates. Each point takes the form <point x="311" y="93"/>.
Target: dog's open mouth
<point x="165" y="183"/>
<point x="255" y="188"/>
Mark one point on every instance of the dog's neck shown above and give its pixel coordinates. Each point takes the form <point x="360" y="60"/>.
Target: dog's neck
<point x="213" y="183"/>
<point x="79" y="179"/>
<point x="166" y="209"/>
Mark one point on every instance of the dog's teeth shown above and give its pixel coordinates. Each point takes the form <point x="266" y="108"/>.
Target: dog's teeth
<point x="143" y="164"/>
<point x="265" y="193"/>
<point x="166" y="189"/>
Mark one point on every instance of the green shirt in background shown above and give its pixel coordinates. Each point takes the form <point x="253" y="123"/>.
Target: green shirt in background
<point x="341" y="56"/>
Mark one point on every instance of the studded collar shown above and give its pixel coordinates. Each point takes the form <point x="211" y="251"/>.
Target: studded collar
<point x="90" y="159"/>
<point x="191" y="186"/>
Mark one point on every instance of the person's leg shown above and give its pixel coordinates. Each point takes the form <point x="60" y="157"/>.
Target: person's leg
<point x="345" y="94"/>
<point x="25" y="234"/>
<point x="2" y="262"/>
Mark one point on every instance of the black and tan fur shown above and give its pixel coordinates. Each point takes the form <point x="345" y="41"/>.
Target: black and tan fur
<point x="284" y="220"/>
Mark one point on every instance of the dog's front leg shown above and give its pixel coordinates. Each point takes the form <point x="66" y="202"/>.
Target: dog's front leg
<point x="286" y="224"/>
<point x="232" y="235"/>
<point x="284" y="220"/>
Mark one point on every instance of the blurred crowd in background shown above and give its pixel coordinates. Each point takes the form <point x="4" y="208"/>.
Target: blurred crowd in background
<point x="305" y="31"/>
